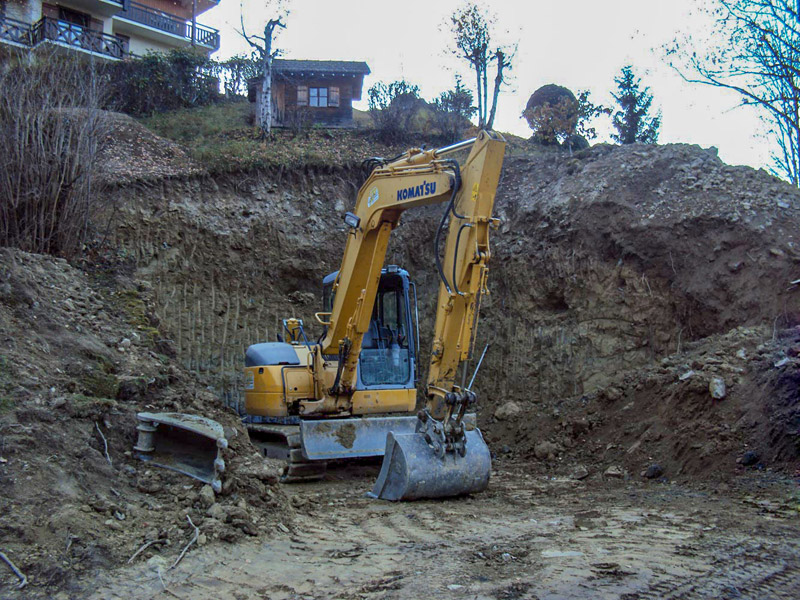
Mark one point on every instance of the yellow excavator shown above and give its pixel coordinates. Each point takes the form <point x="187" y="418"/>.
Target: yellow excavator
<point x="353" y="392"/>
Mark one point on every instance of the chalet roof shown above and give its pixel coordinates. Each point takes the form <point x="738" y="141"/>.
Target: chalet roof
<point x="348" y="67"/>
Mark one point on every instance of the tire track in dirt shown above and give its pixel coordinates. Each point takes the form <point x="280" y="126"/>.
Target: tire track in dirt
<point x="526" y="538"/>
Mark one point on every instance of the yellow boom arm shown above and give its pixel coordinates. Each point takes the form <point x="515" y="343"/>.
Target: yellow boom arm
<point x="419" y="179"/>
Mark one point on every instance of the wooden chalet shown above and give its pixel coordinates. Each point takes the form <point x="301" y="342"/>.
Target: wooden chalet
<point x="315" y="92"/>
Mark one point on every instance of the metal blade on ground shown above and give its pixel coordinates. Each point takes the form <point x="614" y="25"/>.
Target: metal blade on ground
<point x="330" y="439"/>
<point x="188" y="444"/>
<point x="411" y="470"/>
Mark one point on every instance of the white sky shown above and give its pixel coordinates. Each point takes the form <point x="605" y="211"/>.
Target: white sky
<point x="581" y="44"/>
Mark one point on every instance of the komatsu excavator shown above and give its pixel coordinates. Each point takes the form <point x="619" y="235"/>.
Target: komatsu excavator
<point x="352" y="393"/>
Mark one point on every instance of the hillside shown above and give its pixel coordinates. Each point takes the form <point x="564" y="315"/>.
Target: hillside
<point x="628" y="285"/>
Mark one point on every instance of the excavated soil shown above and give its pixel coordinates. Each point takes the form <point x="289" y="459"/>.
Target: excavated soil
<point x="640" y="393"/>
<point x="82" y="354"/>
<point x="527" y="537"/>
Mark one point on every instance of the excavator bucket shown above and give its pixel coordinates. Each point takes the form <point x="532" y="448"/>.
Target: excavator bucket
<point x="188" y="444"/>
<point x="411" y="470"/>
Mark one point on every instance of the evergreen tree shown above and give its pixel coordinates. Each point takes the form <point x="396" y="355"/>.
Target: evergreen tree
<point x="633" y="121"/>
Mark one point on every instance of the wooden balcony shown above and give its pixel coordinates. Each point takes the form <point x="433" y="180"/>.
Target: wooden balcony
<point x="63" y="34"/>
<point x="170" y="24"/>
<point x="15" y="32"/>
<point x="77" y="37"/>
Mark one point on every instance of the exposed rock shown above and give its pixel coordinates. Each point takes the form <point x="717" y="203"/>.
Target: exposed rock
<point x="614" y="472"/>
<point x="217" y="511"/>
<point x="716" y="387"/>
<point x="579" y="473"/>
<point x="546" y="450"/>
<point x="509" y="410"/>
<point x="750" y="458"/>
<point x="207" y="497"/>
<point x="654" y="471"/>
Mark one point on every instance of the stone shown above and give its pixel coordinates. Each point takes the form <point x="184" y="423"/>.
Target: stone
<point x="654" y="471"/>
<point x="579" y="473"/>
<point x="614" y="472"/>
<point x="545" y="450"/>
<point x="613" y="393"/>
<point x="750" y="458"/>
<point x="207" y="496"/>
<point x="217" y="511"/>
<point x="686" y="375"/>
<point x="125" y="343"/>
<point x="716" y="387"/>
<point x="509" y="410"/>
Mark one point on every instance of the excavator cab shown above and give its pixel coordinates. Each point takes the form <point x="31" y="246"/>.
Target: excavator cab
<point x="390" y="347"/>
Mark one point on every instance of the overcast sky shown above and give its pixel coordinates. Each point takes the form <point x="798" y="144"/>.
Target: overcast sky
<point x="581" y="44"/>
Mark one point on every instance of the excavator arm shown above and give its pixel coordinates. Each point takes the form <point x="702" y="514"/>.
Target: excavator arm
<point x="419" y="178"/>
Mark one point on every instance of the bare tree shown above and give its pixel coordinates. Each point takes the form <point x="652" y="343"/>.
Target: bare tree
<point x="262" y="46"/>
<point x="472" y="34"/>
<point x="756" y="52"/>
<point x="53" y="131"/>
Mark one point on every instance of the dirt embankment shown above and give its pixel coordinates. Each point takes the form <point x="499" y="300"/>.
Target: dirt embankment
<point x="82" y="353"/>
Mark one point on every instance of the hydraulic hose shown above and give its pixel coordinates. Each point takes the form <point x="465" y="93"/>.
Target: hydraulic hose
<point x="450" y="208"/>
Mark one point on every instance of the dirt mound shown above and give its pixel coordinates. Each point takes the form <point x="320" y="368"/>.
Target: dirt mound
<point x="131" y="152"/>
<point x="726" y="403"/>
<point x="618" y="268"/>
<point x="82" y="354"/>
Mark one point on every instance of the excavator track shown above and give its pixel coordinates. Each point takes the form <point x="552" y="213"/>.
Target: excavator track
<point x="283" y="442"/>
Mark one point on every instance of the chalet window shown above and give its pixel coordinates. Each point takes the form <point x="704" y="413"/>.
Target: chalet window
<point x="302" y="95"/>
<point x="73" y="16"/>
<point x="318" y="97"/>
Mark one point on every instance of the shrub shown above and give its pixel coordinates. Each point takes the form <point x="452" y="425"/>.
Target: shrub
<point x="552" y="114"/>
<point x="161" y="81"/>
<point x="393" y="108"/>
<point x="452" y="111"/>
<point x="52" y="132"/>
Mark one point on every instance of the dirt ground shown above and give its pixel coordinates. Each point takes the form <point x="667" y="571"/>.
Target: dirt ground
<point x="529" y="536"/>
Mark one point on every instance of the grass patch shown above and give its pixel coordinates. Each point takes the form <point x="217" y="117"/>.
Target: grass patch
<point x="100" y="384"/>
<point x="83" y="407"/>
<point x="221" y="140"/>
<point x="198" y="124"/>
<point x="131" y="304"/>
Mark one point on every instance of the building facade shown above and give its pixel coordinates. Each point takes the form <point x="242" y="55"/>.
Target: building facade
<point x="109" y="29"/>
<point x="318" y="92"/>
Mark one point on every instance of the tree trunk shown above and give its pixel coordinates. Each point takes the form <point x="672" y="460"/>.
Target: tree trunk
<point x="485" y="92"/>
<point x="480" y="103"/>
<point x="265" y="116"/>
<point x="498" y="81"/>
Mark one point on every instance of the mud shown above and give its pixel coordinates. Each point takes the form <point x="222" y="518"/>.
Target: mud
<point x="526" y="537"/>
<point x="346" y="435"/>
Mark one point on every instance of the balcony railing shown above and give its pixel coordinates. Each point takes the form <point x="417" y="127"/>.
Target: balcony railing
<point x="78" y="36"/>
<point x="139" y="13"/>
<point x="15" y="31"/>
